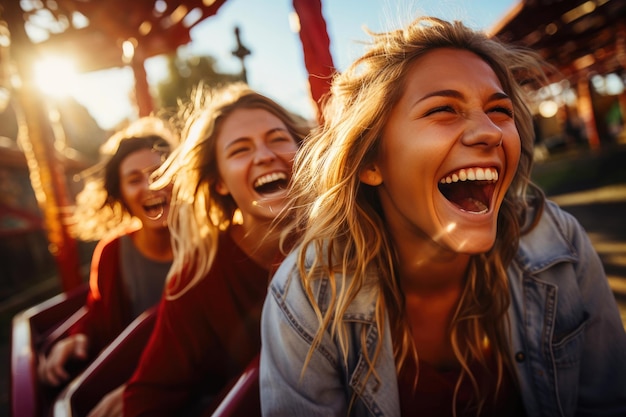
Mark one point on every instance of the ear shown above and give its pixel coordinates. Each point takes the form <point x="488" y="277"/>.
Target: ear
<point x="221" y="188"/>
<point x="370" y="175"/>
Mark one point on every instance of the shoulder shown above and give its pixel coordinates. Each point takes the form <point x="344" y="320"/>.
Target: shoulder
<point x="231" y="259"/>
<point x="286" y="280"/>
<point x="287" y="283"/>
<point x="288" y="289"/>
<point x="555" y="238"/>
<point x="561" y="219"/>
<point x="111" y="241"/>
<point x="107" y="247"/>
<point x="231" y="268"/>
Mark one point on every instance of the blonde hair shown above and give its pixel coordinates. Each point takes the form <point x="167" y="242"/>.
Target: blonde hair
<point x="341" y="218"/>
<point x="198" y="212"/>
<point x="100" y="208"/>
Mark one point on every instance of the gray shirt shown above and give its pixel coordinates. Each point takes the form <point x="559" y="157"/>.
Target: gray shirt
<point x="144" y="278"/>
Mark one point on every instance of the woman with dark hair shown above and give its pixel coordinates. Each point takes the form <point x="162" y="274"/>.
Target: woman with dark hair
<point x="134" y="253"/>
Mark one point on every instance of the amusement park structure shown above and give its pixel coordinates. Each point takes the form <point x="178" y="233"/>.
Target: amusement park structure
<point x="584" y="40"/>
<point x="118" y="33"/>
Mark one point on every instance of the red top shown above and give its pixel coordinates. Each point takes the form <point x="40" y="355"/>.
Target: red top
<point x="202" y="339"/>
<point x="435" y="392"/>
<point x="109" y="308"/>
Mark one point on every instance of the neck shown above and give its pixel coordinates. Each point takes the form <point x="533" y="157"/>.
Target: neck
<point x="427" y="269"/>
<point x="258" y="241"/>
<point x="432" y="281"/>
<point x="154" y="243"/>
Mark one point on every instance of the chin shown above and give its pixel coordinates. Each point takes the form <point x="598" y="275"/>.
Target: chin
<point x="272" y="205"/>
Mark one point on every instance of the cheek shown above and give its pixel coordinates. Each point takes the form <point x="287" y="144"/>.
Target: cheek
<point x="233" y="175"/>
<point x="288" y="156"/>
<point x="128" y="198"/>
<point x="127" y="192"/>
<point x="513" y="151"/>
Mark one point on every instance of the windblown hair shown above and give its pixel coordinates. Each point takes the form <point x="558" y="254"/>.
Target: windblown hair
<point x="341" y="218"/>
<point x="198" y="212"/>
<point x="100" y="208"/>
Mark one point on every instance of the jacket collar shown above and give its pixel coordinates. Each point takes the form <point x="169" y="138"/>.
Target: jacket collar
<point x="546" y="244"/>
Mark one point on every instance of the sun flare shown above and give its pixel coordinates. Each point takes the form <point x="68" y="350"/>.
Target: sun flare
<point x="55" y="76"/>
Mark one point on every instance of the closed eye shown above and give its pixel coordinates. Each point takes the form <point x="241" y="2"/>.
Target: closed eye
<point x="237" y="151"/>
<point x="502" y="109"/>
<point x="440" y="109"/>
<point x="134" y="179"/>
<point x="281" y="139"/>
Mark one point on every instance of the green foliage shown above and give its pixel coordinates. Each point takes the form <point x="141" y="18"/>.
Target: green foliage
<point x="187" y="73"/>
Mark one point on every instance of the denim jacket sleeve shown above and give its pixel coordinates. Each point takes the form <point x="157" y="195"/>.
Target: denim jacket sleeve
<point x="288" y="326"/>
<point x="328" y="385"/>
<point x="568" y="338"/>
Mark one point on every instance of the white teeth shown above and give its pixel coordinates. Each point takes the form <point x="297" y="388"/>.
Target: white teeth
<point x="274" y="176"/>
<point x="471" y="174"/>
<point x="154" y="201"/>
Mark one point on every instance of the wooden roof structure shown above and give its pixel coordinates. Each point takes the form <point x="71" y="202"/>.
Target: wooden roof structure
<point x="581" y="39"/>
<point x="96" y="32"/>
<point x="154" y="27"/>
<point x="576" y="36"/>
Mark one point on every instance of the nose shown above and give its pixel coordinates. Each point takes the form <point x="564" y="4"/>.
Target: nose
<point x="481" y="130"/>
<point x="146" y="186"/>
<point x="263" y="154"/>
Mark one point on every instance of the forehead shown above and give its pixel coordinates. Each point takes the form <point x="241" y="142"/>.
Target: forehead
<point x="140" y="160"/>
<point x="247" y="123"/>
<point x="449" y="68"/>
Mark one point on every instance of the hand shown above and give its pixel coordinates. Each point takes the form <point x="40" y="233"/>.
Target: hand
<point x="111" y="404"/>
<point x="51" y="370"/>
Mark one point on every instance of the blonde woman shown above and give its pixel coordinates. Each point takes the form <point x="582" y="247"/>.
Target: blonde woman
<point x="230" y="177"/>
<point x="431" y="277"/>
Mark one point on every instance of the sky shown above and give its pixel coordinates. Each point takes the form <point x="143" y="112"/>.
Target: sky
<point x="276" y="66"/>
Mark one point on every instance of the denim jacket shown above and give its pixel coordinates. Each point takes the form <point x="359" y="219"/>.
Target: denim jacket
<point x="567" y="338"/>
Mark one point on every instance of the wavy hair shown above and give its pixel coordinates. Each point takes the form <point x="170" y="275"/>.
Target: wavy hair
<point x="341" y="218"/>
<point x="198" y="212"/>
<point x="100" y="208"/>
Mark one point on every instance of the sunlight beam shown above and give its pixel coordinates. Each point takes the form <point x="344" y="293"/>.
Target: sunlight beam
<point x="55" y="76"/>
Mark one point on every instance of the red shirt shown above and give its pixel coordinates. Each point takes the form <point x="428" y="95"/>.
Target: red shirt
<point x="435" y="390"/>
<point x="202" y="339"/>
<point x="109" y="308"/>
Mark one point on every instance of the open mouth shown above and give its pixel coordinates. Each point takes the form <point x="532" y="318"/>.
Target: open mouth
<point x="155" y="207"/>
<point x="271" y="183"/>
<point x="470" y="189"/>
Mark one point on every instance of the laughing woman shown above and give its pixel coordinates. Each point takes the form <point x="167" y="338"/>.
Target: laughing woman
<point x="134" y="252"/>
<point x="230" y="175"/>
<point x="431" y="278"/>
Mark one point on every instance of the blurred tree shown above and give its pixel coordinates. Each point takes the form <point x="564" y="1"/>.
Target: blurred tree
<point x="184" y="74"/>
<point x="80" y="136"/>
<point x="81" y="130"/>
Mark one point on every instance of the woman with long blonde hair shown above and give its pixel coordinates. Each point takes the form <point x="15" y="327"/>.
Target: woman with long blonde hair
<point x="430" y="276"/>
<point x="230" y="176"/>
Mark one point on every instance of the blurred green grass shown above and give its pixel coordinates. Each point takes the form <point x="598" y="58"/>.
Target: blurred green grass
<point x="581" y="169"/>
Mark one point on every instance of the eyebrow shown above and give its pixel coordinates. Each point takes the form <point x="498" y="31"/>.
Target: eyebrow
<point x="457" y="95"/>
<point x="135" y="171"/>
<point x="246" y="138"/>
